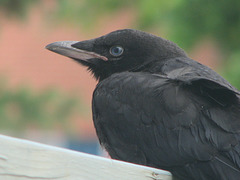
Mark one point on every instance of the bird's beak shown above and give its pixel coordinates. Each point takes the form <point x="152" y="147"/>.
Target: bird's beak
<point x="75" y="49"/>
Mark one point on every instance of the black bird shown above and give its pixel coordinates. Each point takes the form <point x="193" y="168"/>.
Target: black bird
<point x="155" y="106"/>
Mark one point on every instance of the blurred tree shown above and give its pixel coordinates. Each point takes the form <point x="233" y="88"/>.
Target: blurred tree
<point x="183" y="21"/>
<point x="86" y="12"/>
<point x="21" y="108"/>
<point x="16" y="8"/>
<point x="193" y="20"/>
<point x="231" y="69"/>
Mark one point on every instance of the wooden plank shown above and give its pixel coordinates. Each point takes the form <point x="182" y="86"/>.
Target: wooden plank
<point x="24" y="160"/>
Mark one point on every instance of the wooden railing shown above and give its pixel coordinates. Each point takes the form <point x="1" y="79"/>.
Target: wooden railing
<point x="25" y="160"/>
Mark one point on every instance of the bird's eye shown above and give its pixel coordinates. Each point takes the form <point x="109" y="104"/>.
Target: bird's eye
<point x="116" y="50"/>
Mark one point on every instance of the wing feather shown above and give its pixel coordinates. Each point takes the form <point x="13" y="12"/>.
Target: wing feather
<point x="164" y="122"/>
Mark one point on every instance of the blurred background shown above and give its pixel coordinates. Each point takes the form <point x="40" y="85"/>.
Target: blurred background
<point x="46" y="97"/>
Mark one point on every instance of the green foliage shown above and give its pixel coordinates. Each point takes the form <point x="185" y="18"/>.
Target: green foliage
<point x="184" y="22"/>
<point x="195" y="19"/>
<point x="85" y="13"/>
<point x="231" y="70"/>
<point x="21" y="108"/>
<point x="17" y="8"/>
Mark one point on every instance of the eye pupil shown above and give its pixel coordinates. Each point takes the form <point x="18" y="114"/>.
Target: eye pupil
<point x="116" y="50"/>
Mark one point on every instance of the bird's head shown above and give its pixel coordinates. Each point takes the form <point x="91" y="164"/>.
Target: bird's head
<point x="118" y="51"/>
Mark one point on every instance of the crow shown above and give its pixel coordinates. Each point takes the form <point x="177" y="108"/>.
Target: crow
<point x="155" y="106"/>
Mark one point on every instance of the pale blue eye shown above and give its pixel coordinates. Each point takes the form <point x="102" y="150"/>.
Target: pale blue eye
<point x="116" y="50"/>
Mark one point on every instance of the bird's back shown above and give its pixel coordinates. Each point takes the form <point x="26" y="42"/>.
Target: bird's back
<point x="160" y="121"/>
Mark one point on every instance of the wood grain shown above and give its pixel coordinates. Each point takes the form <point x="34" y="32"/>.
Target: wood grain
<point x="24" y="160"/>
